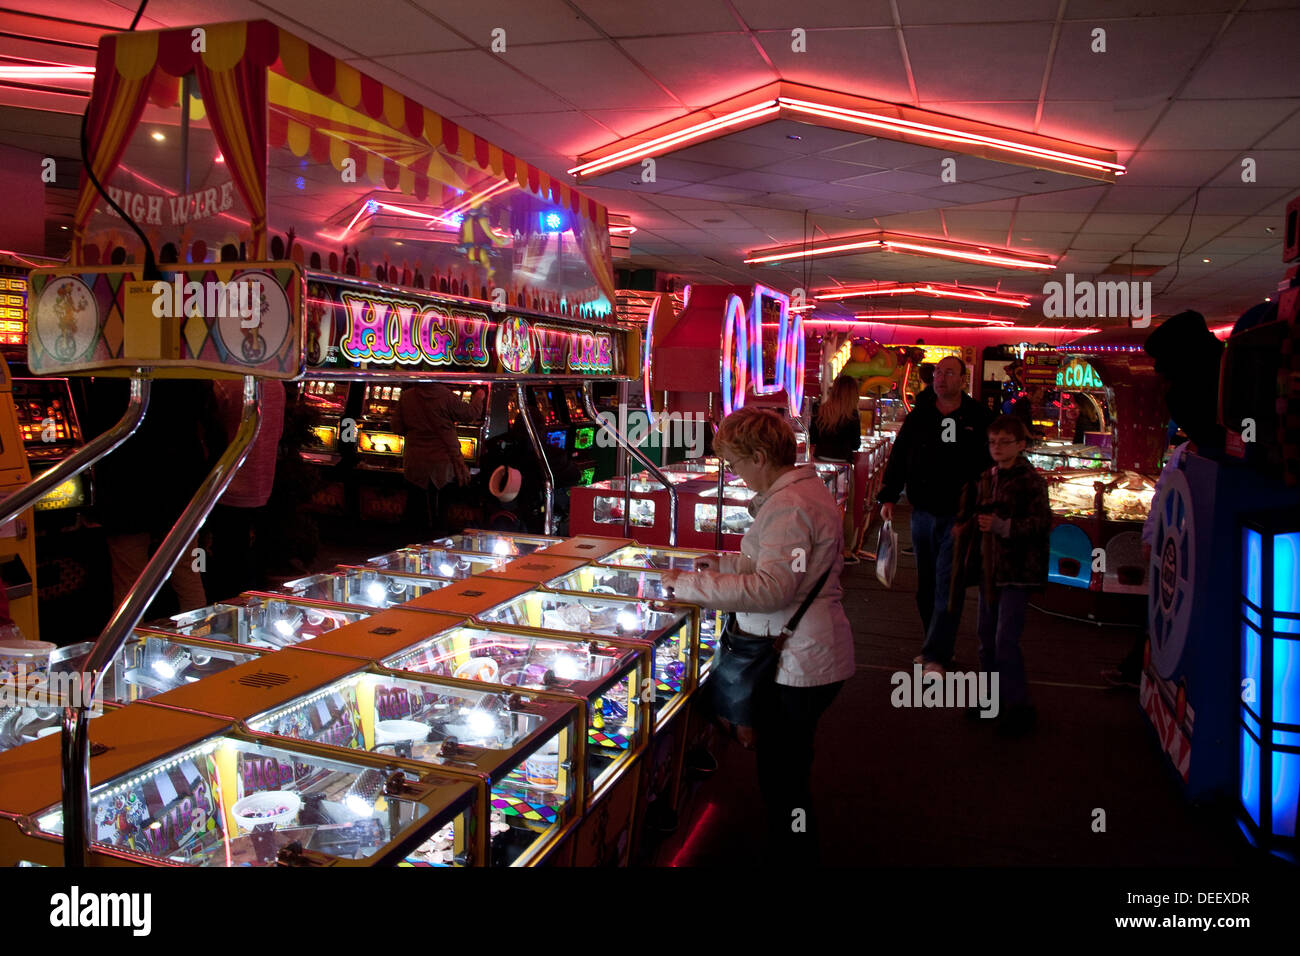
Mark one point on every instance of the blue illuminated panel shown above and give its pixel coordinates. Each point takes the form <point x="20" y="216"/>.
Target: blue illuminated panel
<point x="1286" y="792"/>
<point x="1250" y="775"/>
<point x="556" y="438"/>
<point x="1252" y="556"/>
<point x="1286" y="573"/>
<point x="1286" y="681"/>
<point x="1250" y="663"/>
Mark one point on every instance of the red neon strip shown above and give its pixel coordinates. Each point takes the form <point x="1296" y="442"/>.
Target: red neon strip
<point x="939" y="132"/>
<point x="694" y="835"/>
<point x="890" y="244"/>
<point x="631" y="153"/>
<point x="939" y="292"/>
<point x="816" y="252"/>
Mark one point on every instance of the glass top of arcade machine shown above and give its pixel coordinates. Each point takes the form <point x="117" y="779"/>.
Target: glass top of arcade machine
<point x="261" y="620"/>
<point x="606" y="675"/>
<point x="663" y="559"/>
<point x="440" y="562"/>
<point x="230" y="800"/>
<point x="520" y="742"/>
<point x="667" y="629"/>
<point x="495" y="543"/>
<point x="367" y="587"/>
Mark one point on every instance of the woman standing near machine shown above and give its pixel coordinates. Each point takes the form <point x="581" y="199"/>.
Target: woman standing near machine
<point x="836" y="434"/>
<point x="789" y="562"/>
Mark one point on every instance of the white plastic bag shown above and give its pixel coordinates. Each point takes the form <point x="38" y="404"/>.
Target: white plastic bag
<point x="887" y="554"/>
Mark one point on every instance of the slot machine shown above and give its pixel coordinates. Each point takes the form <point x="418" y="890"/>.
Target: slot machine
<point x="326" y="403"/>
<point x="472" y="435"/>
<point x="379" y="446"/>
<point x="582" y="432"/>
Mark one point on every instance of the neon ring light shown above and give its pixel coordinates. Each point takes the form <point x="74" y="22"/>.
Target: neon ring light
<point x="735" y="356"/>
<point x="792" y="374"/>
<point x="762" y="384"/>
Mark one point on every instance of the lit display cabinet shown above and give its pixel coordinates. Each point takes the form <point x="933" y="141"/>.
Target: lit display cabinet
<point x="641" y="584"/>
<point x="1096" y="538"/>
<point x="662" y="559"/>
<point x="181" y="789"/>
<point x="607" y="677"/>
<point x="523" y="745"/>
<point x="1059" y="455"/>
<point x="153" y="663"/>
<point x="367" y="587"/>
<point x="268" y="621"/>
<point x="439" y="562"/>
<point x="1269" y="766"/>
<point x="496" y="543"/>
<point x="668" y="630"/>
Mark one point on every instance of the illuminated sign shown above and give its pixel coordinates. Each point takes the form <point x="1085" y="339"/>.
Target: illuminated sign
<point x="840" y="359"/>
<point x="383" y="331"/>
<point x="515" y="344"/>
<point x="583" y="438"/>
<point x="13" y="310"/>
<point x="1078" y="374"/>
<point x="560" y="350"/>
<point x="69" y="494"/>
<point x="746" y="353"/>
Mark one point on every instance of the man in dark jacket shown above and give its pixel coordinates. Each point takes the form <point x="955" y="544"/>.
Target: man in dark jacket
<point x="941" y="448"/>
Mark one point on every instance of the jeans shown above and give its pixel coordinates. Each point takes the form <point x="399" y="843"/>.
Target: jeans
<point x="1000" y="625"/>
<point x="785" y="723"/>
<point x="932" y="543"/>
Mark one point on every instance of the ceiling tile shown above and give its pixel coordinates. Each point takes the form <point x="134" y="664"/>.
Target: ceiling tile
<point x="1017" y="114"/>
<point x="413" y="31"/>
<point x="619" y="18"/>
<point x="701" y="70"/>
<point x="568" y="69"/>
<point x="964" y="192"/>
<point x="1286" y="136"/>
<point x="630" y="122"/>
<point x="780" y="15"/>
<point x="1240" y="200"/>
<point x="537" y="21"/>
<point x="733" y="151"/>
<point x="569" y="132"/>
<point x="1218" y="124"/>
<point x="861" y="62"/>
<point x="1148" y="199"/>
<point x="1105" y="124"/>
<point x="1255" y="58"/>
<point x="1146" y="57"/>
<point x="474" y="77"/>
<point x="1177" y="167"/>
<point x="959" y="11"/>
<point x="1018" y="49"/>
<point x="1104" y="222"/>
<point x="815" y="167"/>
<point x="1273" y="167"/>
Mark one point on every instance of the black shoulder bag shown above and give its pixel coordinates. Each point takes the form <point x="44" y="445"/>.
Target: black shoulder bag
<point x="747" y="663"/>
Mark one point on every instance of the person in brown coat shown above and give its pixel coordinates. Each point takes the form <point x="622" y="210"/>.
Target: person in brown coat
<point x="1005" y="543"/>
<point x="431" y="460"/>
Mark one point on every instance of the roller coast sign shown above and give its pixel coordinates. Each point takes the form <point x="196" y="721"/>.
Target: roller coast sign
<point x="351" y="327"/>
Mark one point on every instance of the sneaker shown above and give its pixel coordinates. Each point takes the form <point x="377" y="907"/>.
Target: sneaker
<point x="850" y="559"/>
<point x="932" y="667"/>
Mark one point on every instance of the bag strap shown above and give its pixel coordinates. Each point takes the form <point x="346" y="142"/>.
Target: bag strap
<point x="793" y="624"/>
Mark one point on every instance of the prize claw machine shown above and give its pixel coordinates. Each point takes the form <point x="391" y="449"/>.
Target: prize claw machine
<point x="522" y="745"/>
<point x="170" y="788"/>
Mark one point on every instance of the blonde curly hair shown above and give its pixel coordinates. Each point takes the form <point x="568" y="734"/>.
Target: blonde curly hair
<point x="745" y="431"/>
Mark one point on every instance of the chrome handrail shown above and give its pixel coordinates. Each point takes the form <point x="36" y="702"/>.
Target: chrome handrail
<point x="548" y="477"/>
<point x="75" y="742"/>
<point x="84" y="457"/>
<point x="636" y="453"/>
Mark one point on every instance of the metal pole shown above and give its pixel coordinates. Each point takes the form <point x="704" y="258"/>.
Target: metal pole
<point x="717" y="536"/>
<point x="636" y="453"/>
<point x="625" y="466"/>
<point x="548" y="477"/>
<point x="84" y="457"/>
<point x="75" y="750"/>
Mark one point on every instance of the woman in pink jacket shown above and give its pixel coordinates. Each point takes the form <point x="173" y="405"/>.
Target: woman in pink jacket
<point x="797" y="536"/>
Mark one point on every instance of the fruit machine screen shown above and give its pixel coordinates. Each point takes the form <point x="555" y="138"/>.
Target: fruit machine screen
<point x="326" y="402"/>
<point x="546" y="407"/>
<point x="584" y="429"/>
<point x="468" y="433"/>
<point x="379" y="402"/>
<point x="558" y="438"/>
<point x="13" y="311"/>
<point x="46" y="418"/>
